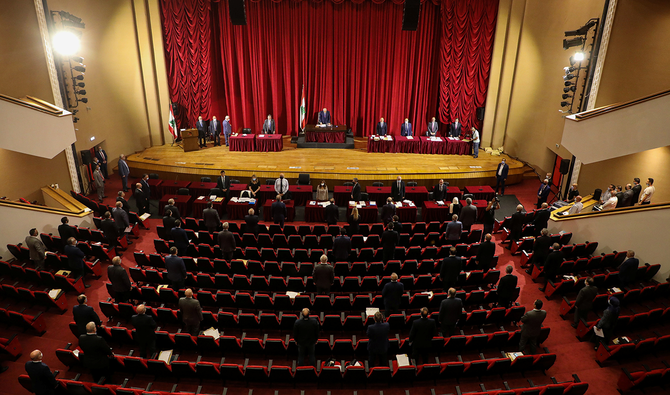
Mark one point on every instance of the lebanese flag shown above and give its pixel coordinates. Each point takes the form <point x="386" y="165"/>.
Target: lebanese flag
<point x="303" y="110"/>
<point x="172" y="124"/>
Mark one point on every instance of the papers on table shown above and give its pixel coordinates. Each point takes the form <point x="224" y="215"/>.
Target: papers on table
<point x="324" y="204"/>
<point x="429" y="293"/>
<point x="165" y="356"/>
<point x="440" y="202"/>
<point x="200" y="198"/>
<point x="433" y="138"/>
<point x="261" y="135"/>
<point x="292" y="294"/>
<point x="370" y="311"/>
<point x="598" y="331"/>
<point x="398" y="204"/>
<point x="236" y="199"/>
<point x="128" y="230"/>
<point x="454" y="138"/>
<point x="145" y="216"/>
<point x="53" y="294"/>
<point x="403" y="359"/>
<point x="212" y="197"/>
<point x="312" y="203"/>
<point x="213" y="332"/>
<point x="513" y="355"/>
<point x="410" y="137"/>
<point x="621" y="340"/>
<point x="64" y="272"/>
<point x="614" y="290"/>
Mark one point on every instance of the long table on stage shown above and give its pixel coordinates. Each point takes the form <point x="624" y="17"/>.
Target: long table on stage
<point x="237" y="210"/>
<point x="301" y="194"/>
<point x="201" y="188"/>
<point x="433" y="212"/>
<point x="242" y="142"/>
<point x="408" y="145"/>
<point x="458" y="147"/>
<point x="419" y="145"/>
<point x="483" y="192"/>
<point x="314" y="212"/>
<point x="290" y="210"/>
<point x="326" y="134"/>
<point x="433" y="145"/>
<point x="381" y="144"/>
<point x="379" y="194"/>
<point x="269" y="143"/>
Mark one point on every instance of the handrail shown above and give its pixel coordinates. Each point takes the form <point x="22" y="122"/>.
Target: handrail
<point x="614" y="107"/>
<point x="45" y="209"/>
<point x="37" y="104"/>
<point x="64" y="199"/>
<point x="616" y="211"/>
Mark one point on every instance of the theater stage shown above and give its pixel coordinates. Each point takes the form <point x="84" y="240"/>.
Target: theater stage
<point x="334" y="165"/>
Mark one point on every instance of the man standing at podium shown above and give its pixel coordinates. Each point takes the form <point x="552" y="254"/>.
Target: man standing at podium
<point x="269" y="125"/>
<point x="215" y="131"/>
<point x="432" y="128"/>
<point x="455" y="129"/>
<point x="324" y="117"/>
<point x="406" y="128"/>
<point x="382" y="127"/>
<point x="202" y="132"/>
<point x="227" y="129"/>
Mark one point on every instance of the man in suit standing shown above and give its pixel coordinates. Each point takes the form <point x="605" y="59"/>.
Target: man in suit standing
<point x="121" y="197"/>
<point x="454" y="230"/>
<point x="65" y="231"/>
<point x="278" y="210"/>
<point x="168" y="223"/>
<point x="180" y="238"/>
<point x="341" y="247"/>
<point x="421" y="336"/>
<point x="215" y="131"/>
<point x="398" y="190"/>
<point x="140" y="199"/>
<point x="390" y="239"/>
<point x="227" y="243"/>
<point x="392" y="294"/>
<point x="202" y="132"/>
<point x="628" y="196"/>
<point x="324" y="117"/>
<point x="323" y="276"/>
<point x="99" y="180"/>
<point x="211" y="218"/>
<point x="176" y="269"/>
<point x="75" y="260"/>
<point x="124" y="172"/>
<point x="432" y="128"/>
<point x="450" y="270"/>
<point x="553" y="264"/>
<point x="455" y="130"/>
<point x="146" y="189"/>
<point x="223" y="183"/>
<point x="378" y="341"/>
<point x="37" y="249"/>
<point x="532" y="325"/>
<point x="306" y="334"/>
<point x="171" y="206"/>
<point x="485" y="254"/>
<point x="451" y="309"/>
<point x="83" y="314"/>
<point x="382" y="127"/>
<point x="96" y="353"/>
<point x="489" y="219"/>
<point x="628" y="269"/>
<point x="102" y="158"/>
<point x="543" y="193"/>
<point x="356" y="191"/>
<point x="440" y="191"/>
<point x="541" y="247"/>
<point x="118" y="276"/>
<point x="518" y="220"/>
<point x="281" y="186"/>
<point x="468" y="215"/>
<point x="269" y="125"/>
<point x="387" y="211"/>
<point x="541" y="218"/>
<point x="332" y="213"/>
<point x="109" y="229"/>
<point x="507" y="288"/>
<point x="397" y="226"/>
<point x="121" y="219"/>
<point x="501" y="175"/>
<point x="252" y="222"/>
<point x="406" y="128"/>
<point x="43" y="381"/>
<point x="191" y="313"/>
<point x="145" y="332"/>
<point x="584" y="301"/>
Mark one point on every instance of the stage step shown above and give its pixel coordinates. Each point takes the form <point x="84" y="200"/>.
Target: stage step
<point x="349" y="144"/>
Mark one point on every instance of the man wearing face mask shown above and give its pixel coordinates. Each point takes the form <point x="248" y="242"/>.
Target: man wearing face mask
<point x="281" y="187"/>
<point x="381" y="127"/>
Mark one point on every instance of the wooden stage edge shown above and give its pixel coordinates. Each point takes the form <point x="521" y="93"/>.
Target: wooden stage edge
<point x="333" y="165"/>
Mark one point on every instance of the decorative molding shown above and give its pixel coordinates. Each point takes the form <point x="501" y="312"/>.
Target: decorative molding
<point x="55" y="85"/>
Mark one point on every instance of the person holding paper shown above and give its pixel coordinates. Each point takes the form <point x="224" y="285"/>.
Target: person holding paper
<point x="378" y="343"/>
<point x="145" y="332"/>
<point x="191" y="313"/>
<point x="532" y="325"/>
<point x="324" y="117"/>
<point x="382" y="127"/>
<point x="306" y="334"/>
<point x="421" y="336"/>
<point x="432" y="128"/>
<point x="607" y="322"/>
<point x="269" y="125"/>
<point x="406" y="128"/>
<point x="392" y="294"/>
<point x="451" y="310"/>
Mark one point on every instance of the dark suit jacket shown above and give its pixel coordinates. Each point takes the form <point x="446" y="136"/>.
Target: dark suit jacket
<point x="532" y="323"/>
<point x="179" y="237"/>
<point x="252" y="223"/>
<point x="628" y="198"/>
<point x="126" y="206"/>
<point x="382" y="129"/>
<point x="111" y="232"/>
<point x="422" y="332"/>
<point x="223" y="184"/>
<point x="215" y="130"/>
<point x="341" y="248"/>
<point x="608" y="320"/>
<point x="507" y="286"/>
<point x="84" y="314"/>
<point x="278" y="210"/>
<point x="120" y="219"/>
<point x="332" y="214"/>
<point x="227" y="241"/>
<point x="96" y="351"/>
<point x="306" y="331"/>
<point x="323" y="275"/>
<point x="146" y="189"/>
<point x="174" y="209"/>
<point x="397" y="227"/>
<point x="585" y="297"/>
<point x="168" y="223"/>
<point x="75" y="257"/>
<point x="628" y="270"/>
<point x="543" y="192"/>
<point x="485" y="255"/>
<point x="389" y="240"/>
<point x="392" y="293"/>
<point x="66" y="231"/>
<point x="44" y="382"/>
<point x="455" y="129"/>
<point x="468" y="216"/>
<point x="432" y="129"/>
<point x="504" y="171"/>
<point x="440" y="195"/>
<point x="118" y="276"/>
<point x="140" y="198"/>
<point x="176" y="269"/>
<point x="387" y="212"/>
<point x="269" y="126"/>
<point x="145" y="328"/>
<point x="324" y="117"/>
<point x="354" y="225"/>
<point x="454" y="230"/>
<point x="450" y="311"/>
<point x="450" y="269"/>
<point x="541" y="249"/>
<point x="378" y="337"/>
<point x="636" y="193"/>
<point x="211" y="217"/>
<point x="356" y="192"/>
<point x="518" y="220"/>
<point x="102" y="157"/>
<point x="406" y="129"/>
<point x="191" y="312"/>
<point x="541" y="219"/>
<point x="227" y="127"/>
<point x="553" y="263"/>
<point x="398" y="193"/>
<point x="202" y="127"/>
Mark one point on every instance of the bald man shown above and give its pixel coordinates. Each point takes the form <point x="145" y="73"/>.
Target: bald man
<point x="191" y="313"/>
<point x="305" y="334"/>
<point x="44" y="382"/>
<point x="518" y="220"/>
<point x="96" y="353"/>
<point x="145" y="331"/>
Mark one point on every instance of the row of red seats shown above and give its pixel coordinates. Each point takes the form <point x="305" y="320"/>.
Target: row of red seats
<point x="657" y="291"/>
<point x="591" y="264"/>
<point x="42" y="297"/>
<point x="634" y="349"/>
<point x="562" y="286"/>
<point x="101" y="209"/>
<point x="644" y="379"/>
<point x="656" y="316"/>
<point x="11" y="347"/>
<point x="25" y="321"/>
<point x="570" y="251"/>
<point x="44" y="277"/>
<point x="97" y="250"/>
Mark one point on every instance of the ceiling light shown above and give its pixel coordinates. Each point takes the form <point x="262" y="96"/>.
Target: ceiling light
<point x="579" y="56"/>
<point x="573" y="42"/>
<point x="566" y="96"/>
<point x="66" y="43"/>
<point x="564" y="104"/>
<point x="570" y="89"/>
<point x="582" y="30"/>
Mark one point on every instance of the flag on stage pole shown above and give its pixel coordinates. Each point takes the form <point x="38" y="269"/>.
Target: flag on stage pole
<point x="172" y="124"/>
<point x="303" y="110"/>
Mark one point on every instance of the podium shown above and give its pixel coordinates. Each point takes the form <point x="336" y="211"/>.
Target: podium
<point x="189" y="139"/>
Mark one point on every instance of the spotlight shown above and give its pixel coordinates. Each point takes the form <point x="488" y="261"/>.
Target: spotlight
<point x="573" y="42"/>
<point x="81" y="69"/>
<point x="570" y="89"/>
<point x="569" y="69"/>
<point x="66" y="43"/>
<point x="92" y="138"/>
<point x="579" y="56"/>
<point x="567" y="83"/>
<point x="67" y="15"/>
<point x="564" y="104"/>
<point x="568" y="77"/>
<point x="80" y="84"/>
<point x="566" y="96"/>
<point x="76" y="25"/>
<point x="83" y="100"/>
<point x="77" y="59"/>
<point x="80" y="92"/>
<point x="79" y="77"/>
<point x="582" y="30"/>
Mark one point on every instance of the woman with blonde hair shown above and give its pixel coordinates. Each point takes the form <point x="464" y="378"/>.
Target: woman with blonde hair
<point x="354" y="219"/>
<point x="455" y="207"/>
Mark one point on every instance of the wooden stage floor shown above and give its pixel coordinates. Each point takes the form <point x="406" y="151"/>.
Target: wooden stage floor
<point x="333" y="165"/>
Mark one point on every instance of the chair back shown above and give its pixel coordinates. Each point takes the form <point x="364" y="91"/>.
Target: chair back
<point x="153" y="176"/>
<point x="234" y="181"/>
<point x="412" y="184"/>
<point x="216" y="191"/>
<point x="269" y="181"/>
<point x="183" y="191"/>
<point x="377" y="184"/>
<point x="205" y="179"/>
<point x="303" y="179"/>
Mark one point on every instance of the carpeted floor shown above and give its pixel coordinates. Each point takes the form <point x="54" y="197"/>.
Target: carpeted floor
<point x="573" y="356"/>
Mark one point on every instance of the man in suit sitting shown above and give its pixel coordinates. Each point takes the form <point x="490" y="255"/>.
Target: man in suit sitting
<point x="553" y="264"/>
<point x="227" y="128"/>
<point x="468" y="215"/>
<point x="215" y="131"/>
<point x="252" y="222"/>
<point x="118" y="276"/>
<point x="628" y="269"/>
<point x="392" y="294"/>
<point x="323" y="276"/>
<point x="83" y="314"/>
<point x="306" y="334"/>
<point x="176" y="269"/>
<point x="223" y="183"/>
<point x="191" y="313"/>
<point x="501" y="175"/>
<point x="543" y="193"/>
<point x="455" y="129"/>
<point x="180" y="238"/>
<point x="440" y="191"/>
<point x="518" y="220"/>
<point x="432" y="128"/>
<point x="43" y="381"/>
<point x="541" y="218"/>
<point x="378" y="341"/>
<point x="145" y="332"/>
<point x="388" y="211"/>
<point x="398" y="190"/>
<point x="451" y="309"/>
<point x="485" y="254"/>
<point x="269" y="125"/>
<point x="65" y="231"/>
<point x="382" y="127"/>
<point x="421" y="336"/>
<point x="454" y="230"/>
<point x="278" y="210"/>
<point x="332" y="213"/>
<point x="584" y="301"/>
<point x="532" y="325"/>
<point x="507" y="288"/>
<point x="389" y="241"/>
<point x="96" y="353"/>
<point x="356" y="191"/>
<point x="450" y="270"/>
<point x="406" y="128"/>
<point x="202" y="132"/>
<point x="324" y="117"/>
<point x="341" y="247"/>
<point x="211" y="218"/>
<point x="75" y="260"/>
<point x="227" y="243"/>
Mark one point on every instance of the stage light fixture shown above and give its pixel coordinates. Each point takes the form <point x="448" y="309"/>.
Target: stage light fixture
<point x="573" y="42"/>
<point x="568" y="77"/>
<point x="67" y="15"/>
<point x="570" y="89"/>
<point x="77" y="59"/>
<point x="79" y="77"/>
<point x="582" y="30"/>
<point x="81" y="68"/>
<point x="66" y="43"/>
<point x="564" y="104"/>
<point x="80" y="84"/>
<point x="76" y="25"/>
<point x="579" y="56"/>
<point x="569" y="69"/>
<point x="566" y="96"/>
<point x="75" y="120"/>
<point x="80" y="92"/>
<point x="92" y="138"/>
<point x="567" y="83"/>
<point x="83" y="100"/>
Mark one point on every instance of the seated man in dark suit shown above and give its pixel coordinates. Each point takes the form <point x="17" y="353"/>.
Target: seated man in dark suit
<point x="392" y="294"/>
<point x="485" y="254"/>
<point x="332" y="213"/>
<point x="378" y="341"/>
<point x="180" y="238"/>
<point x="43" y="381"/>
<point x="96" y="353"/>
<point x="382" y="127"/>
<point x="278" y="210"/>
<point x="507" y="288"/>
<point x="440" y="191"/>
<point x="65" y="231"/>
<point x="421" y="336"/>
<point x="541" y="218"/>
<point x="387" y="211"/>
<point x="252" y="222"/>
<point x="628" y="269"/>
<point x="450" y="270"/>
<point x="451" y="309"/>
<point x="553" y="264"/>
<point x="389" y="241"/>
<point x="341" y="247"/>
